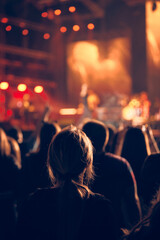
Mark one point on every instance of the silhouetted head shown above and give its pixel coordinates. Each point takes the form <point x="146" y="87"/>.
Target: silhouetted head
<point x="48" y="130"/>
<point x="16" y="133"/>
<point x="136" y="144"/>
<point x="98" y="134"/>
<point x="70" y="156"/>
<point x="5" y="148"/>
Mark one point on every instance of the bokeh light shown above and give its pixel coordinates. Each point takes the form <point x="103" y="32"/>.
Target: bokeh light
<point x="72" y="9"/>
<point x="46" y="36"/>
<point x="76" y="28"/>
<point x="25" y="32"/>
<point x="4" y="85"/>
<point x="38" y="89"/>
<point x="44" y="14"/>
<point x="57" y="12"/>
<point x="90" y="26"/>
<point x="4" y="20"/>
<point x="8" y="28"/>
<point x="21" y="87"/>
<point x="63" y="29"/>
<point x="9" y="112"/>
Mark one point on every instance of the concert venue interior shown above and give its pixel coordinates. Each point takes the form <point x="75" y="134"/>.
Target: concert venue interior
<point x="51" y="50"/>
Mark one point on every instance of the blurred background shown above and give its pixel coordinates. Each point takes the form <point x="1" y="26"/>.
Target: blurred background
<point x="64" y="56"/>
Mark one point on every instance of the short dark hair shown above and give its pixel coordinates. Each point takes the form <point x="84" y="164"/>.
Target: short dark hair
<point x="97" y="132"/>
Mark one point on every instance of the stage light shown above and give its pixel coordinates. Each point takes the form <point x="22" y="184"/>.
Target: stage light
<point x="67" y="111"/>
<point x="63" y="29"/>
<point x="44" y="14"/>
<point x="21" y="87"/>
<point x="9" y="112"/>
<point x="76" y="28"/>
<point x="26" y="104"/>
<point x="90" y="26"/>
<point x="38" y="89"/>
<point x="8" y="28"/>
<point x="72" y="9"/>
<point x="4" y="20"/>
<point x="46" y="36"/>
<point x="25" y="32"/>
<point x="57" y="12"/>
<point x="4" y="85"/>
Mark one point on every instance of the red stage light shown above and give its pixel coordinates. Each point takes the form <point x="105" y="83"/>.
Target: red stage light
<point x="76" y="28"/>
<point x="90" y="26"/>
<point x="25" y="32"/>
<point x="4" y="85"/>
<point x="4" y="20"/>
<point x="9" y="112"/>
<point x="63" y="29"/>
<point x="21" y="87"/>
<point x="2" y="99"/>
<point x="72" y="9"/>
<point x="8" y="28"/>
<point x="38" y="89"/>
<point x="44" y="14"/>
<point x="46" y="36"/>
<point x="57" y="12"/>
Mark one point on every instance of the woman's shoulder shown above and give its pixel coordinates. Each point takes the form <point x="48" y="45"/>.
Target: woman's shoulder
<point x="98" y="201"/>
<point x="41" y="196"/>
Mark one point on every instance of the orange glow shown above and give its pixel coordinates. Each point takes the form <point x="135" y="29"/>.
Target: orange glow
<point x="4" y="85"/>
<point x="22" y="87"/>
<point x="57" y="12"/>
<point x="90" y="26"/>
<point x="76" y="28"/>
<point x="38" y="89"/>
<point x="63" y="29"/>
<point x="134" y="103"/>
<point x="44" y="14"/>
<point x="46" y="36"/>
<point x="128" y="113"/>
<point x="8" y="28"/>
<point x="72" y="9"/>
<point x="4" y="20"/>
<point x="25" y="32"/>
<point x="67" y="111"/>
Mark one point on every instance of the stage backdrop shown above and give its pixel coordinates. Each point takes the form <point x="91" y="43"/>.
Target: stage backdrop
<point x="103" y="65"/>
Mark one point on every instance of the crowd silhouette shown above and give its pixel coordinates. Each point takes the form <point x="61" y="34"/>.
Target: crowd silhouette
<point x="91" y="181"/>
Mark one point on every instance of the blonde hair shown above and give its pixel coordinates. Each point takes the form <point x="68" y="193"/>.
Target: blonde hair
<point x="70" y="157"/>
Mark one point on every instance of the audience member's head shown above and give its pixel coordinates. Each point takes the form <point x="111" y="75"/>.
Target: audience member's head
<point x="97" y="133"/>
<point x="5" y="148"/>
<point x="48" y="130"/>
<point x="149" y="227"/>
<point x="135" y="144"/>
<point x="70" y="157"/>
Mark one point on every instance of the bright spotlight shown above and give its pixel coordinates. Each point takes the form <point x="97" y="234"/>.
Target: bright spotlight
<point x="38" y="89"/>
<point x="21" y="87"/>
